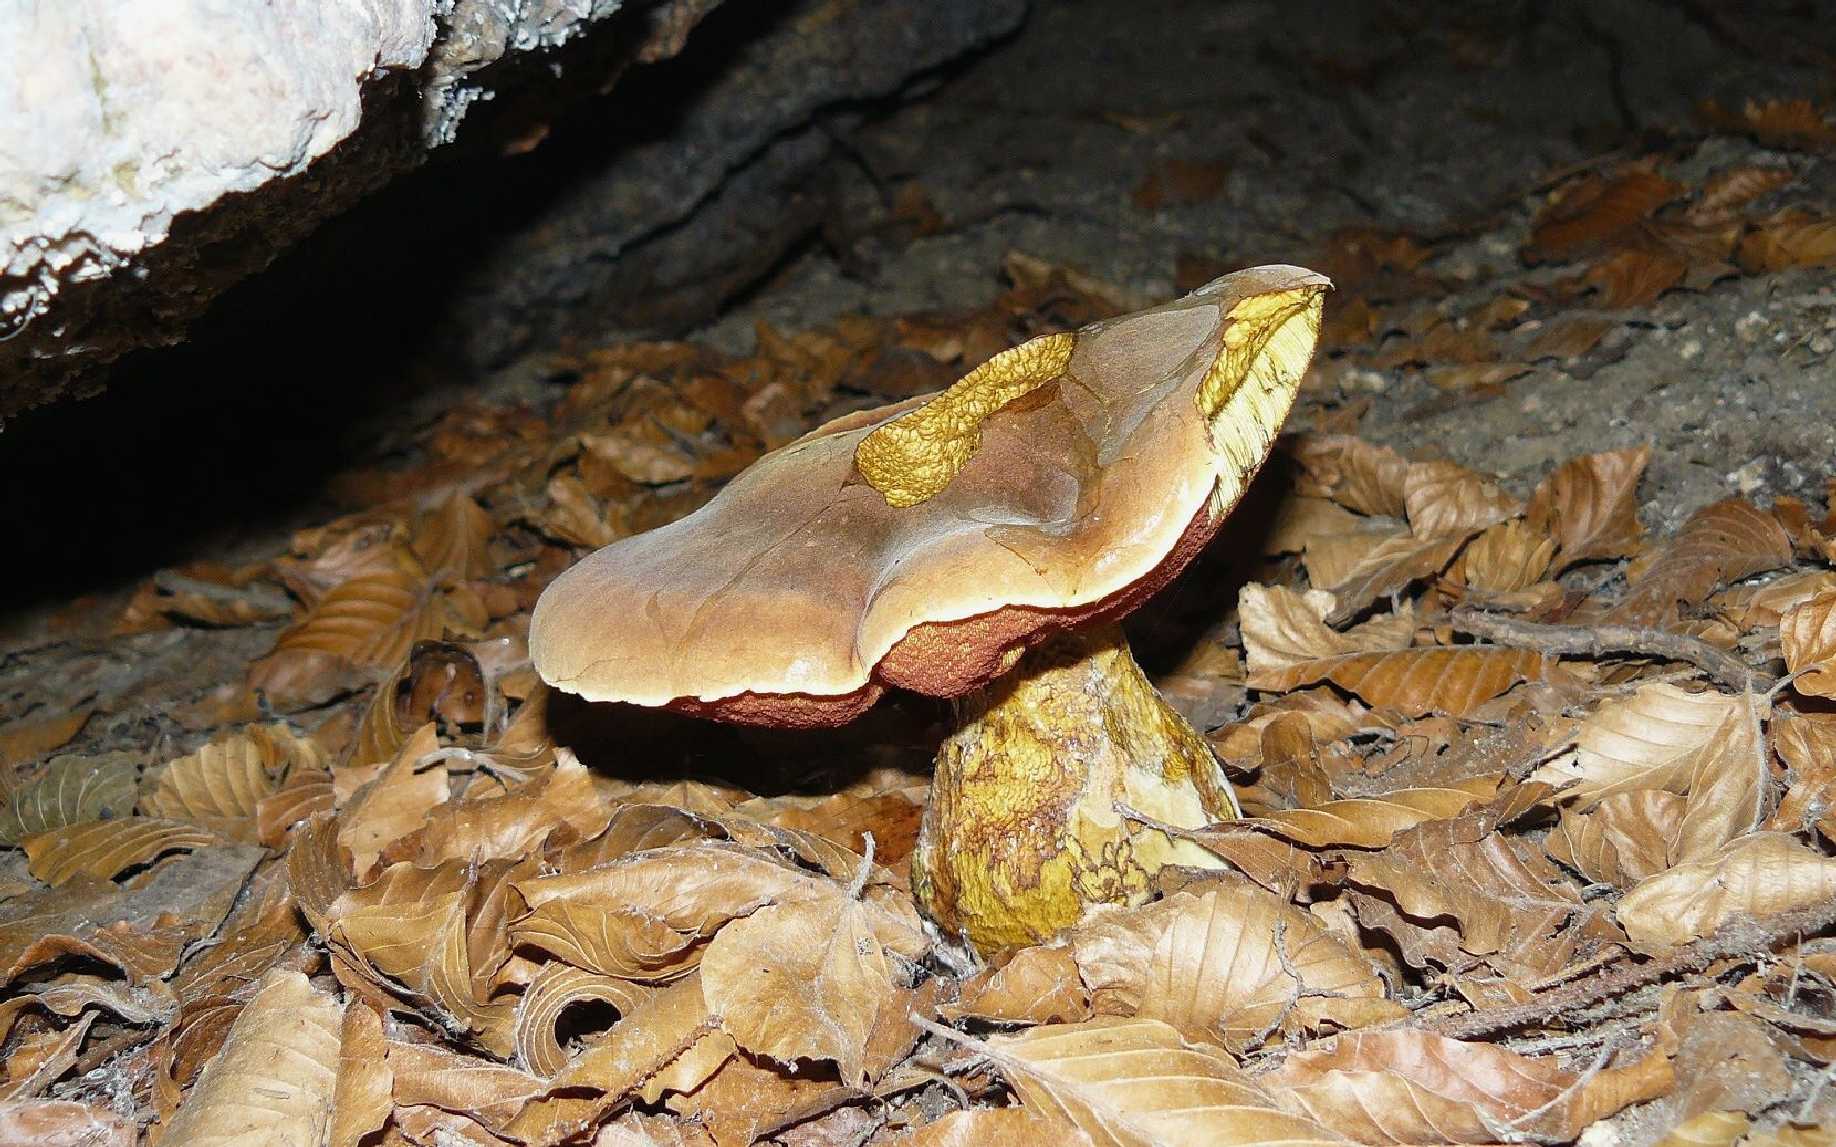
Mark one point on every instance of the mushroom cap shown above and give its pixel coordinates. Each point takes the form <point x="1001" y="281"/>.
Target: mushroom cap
<point x="1066" y="480"/>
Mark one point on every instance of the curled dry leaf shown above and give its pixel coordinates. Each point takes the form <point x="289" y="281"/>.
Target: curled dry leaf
<point x="222" y="785"/>
<point x="555" y="989"/>
<point x="1356" y="474"/>
<point x="72" y="790"/>
<point x="1622" y="839"/>
<point x="274" y="1079"/>
<point x="364" y="1092"/>
<point x="1807" y="743"/>
<point x="1634" y="277"/>
<point x="1508" y="556"/>
<point x="103" y="849"/>
<point x="395" y="804"/>
<point x="609" y="939"/>
<point x="1371" y="822"/>
<point x="1406" y="1087"/>
<point x="1443" y="498"/>
<point x="1807" y="635"/>
<point x="1137" y="1083"/>
<point x="559" y="797"/>
<point x="452" y="538"/>
<point x="804" y="980"/>
<point x="1786" y="240"/>
<point x="1387" y="567"/>
<point x="1592" y="211"/>
<point x="486" y="1092"/>
<point x="1589" y="505"/>
<point x="1223" y="964"/>
<point x="1040" y="985"/>
<point x="1720" y="543"/>
<point x="1284" y="631"/>
<point x="1760" y="874"/>
<point x="362" y="625"/>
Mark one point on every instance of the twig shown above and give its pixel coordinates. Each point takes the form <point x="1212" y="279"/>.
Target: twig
<point x="1599" y="640"/>
<point x="1742" y="937"/>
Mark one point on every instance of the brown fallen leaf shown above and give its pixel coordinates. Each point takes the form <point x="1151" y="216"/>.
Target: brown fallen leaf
<point x="1786" y="240"/>
<point x="1776" y="122"/>
<point x="1593" y="211"/>
<point x="393" y="806"/>
<point x="1507" y="557"/>
<point x="429" y="1075"/>
<point x="1806" y="742"/>
<point x="545" y="1003"/>
<point x="1807" y="635"/>
<point x="1731" y="188"/>
<point x="1371" y="822"/>
<point x="1137" y="1083"/>
<point x="274" y="1080"/>
<point x="1567" y="339"/>
<point x="63" y="1123"/>
<point x="221" y="786"/>
<point x="1635" y="278"/>
<point x="1409" y="1087"/>
<point x="1759" y="874"/>
<point x="1233" y="963"/>
<point x="363" y="1093"/>
<point x="1356" y="474"/>
<point x="804" y="980"/>
<point x="1720" y="543"/>
<point x="103" y="849"/>
<point x="1039" y="985"/>
<point x="452" y="538"/>
<point x="1589" y="505"/>
<point x="1442" y="498"/>
<point x="73" y="789"/>
<point x="1622" y="839"/>
<point x="1708" y="746"/>
<point x="1388" y="567"/>
<point x="980" y="1127"/>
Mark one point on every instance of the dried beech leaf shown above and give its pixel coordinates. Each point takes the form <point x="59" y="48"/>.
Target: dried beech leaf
<point x="1039" y="985"/>
<point x="362" y="625"/>
<point x="1807" y="743"/>
<point x="805" y="980"/>
<point x="1443" y="498"/>
<point x="1635" y="278"/>
<point x="1136" y="1083"/>
<point x="1622" y="839"/>
<point x="63" y="1123"/>
<point x="71" y="790"/>
<point x="555" y="989"/>
<point x="1589" y="505"/>
<point x="1505" y="899"/>
<point x="364" y="1092"/>
<point x="1287" y="645"/>
<point x="1406" y="1087"/>
<point x="1390" y="566"/>
<point x="1649" y="740"/>
<point x="608" y="939"/>
<point x="1786" y="240"/>
<point x="1356" y="474"/>
<point x="274" y="1080"/>
<point x="1807" y="635"/>
<point x="452" y="538"/>
<point x="1299" y="520"/>
<point x="1728" y="782"/>
<point x="1284" y="631"/>
<point x="1756" y="606"/>
<point x="1509" y="556"/>
<point x="1332" y="559"/>
<point x="1216" y="966"/>
<point x="103" y="849"/>
<point x="983" y="1127"/>
<point x="395" y="804"/>
<point x="518" y="822"/>
<point x="222" y="785"/>
<point x="1760" y="874"/>
<point x="1593" y="211"/>
<point x="1720" y="543"/>
<point x="1371" y="822"/>
<point x="487" y="1092"/>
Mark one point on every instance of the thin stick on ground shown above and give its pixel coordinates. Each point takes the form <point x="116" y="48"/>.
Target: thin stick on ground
<point x="1741" y="937"/>
<point x="1600" y="640"/>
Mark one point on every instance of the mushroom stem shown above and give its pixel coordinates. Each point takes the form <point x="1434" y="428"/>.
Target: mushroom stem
<point x="1022" y="833"/>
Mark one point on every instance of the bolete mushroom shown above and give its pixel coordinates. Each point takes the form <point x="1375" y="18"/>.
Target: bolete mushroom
<point x="983" y="543"/>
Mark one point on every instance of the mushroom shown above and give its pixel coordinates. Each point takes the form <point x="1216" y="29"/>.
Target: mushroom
<point x="980" y="543"/>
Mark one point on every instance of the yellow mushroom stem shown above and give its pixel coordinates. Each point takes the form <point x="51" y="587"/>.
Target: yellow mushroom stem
<point x="1022" y="832"/>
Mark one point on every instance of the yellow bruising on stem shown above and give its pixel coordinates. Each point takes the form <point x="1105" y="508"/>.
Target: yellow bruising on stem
<point x="1245" y="395"/>
<point x="1022" y="833"/>
<point x="913" y="457"/>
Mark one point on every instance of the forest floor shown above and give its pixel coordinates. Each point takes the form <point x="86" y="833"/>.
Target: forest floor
<point x="1520" y="655"/>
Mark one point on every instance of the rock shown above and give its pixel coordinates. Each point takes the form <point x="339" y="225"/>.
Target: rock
<point x="148" y="161"/>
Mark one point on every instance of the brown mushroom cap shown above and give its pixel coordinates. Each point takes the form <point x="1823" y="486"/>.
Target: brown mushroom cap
<point x="1067" y="480"/>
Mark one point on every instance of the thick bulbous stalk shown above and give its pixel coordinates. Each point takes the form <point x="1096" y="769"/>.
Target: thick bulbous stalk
<point x="1022" y="832"/>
